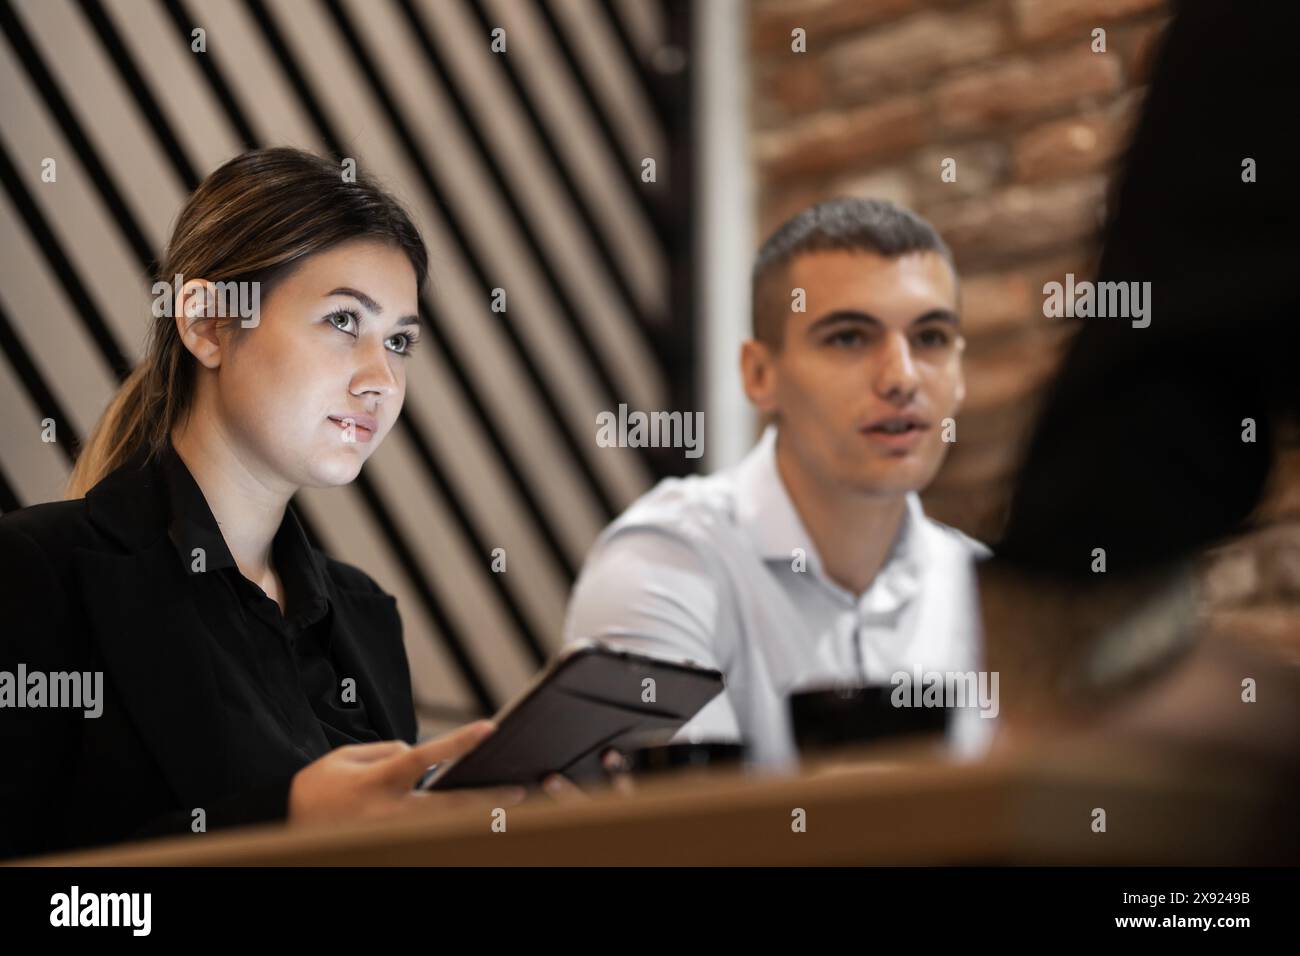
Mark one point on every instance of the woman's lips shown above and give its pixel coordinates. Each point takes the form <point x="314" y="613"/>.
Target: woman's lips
<point x="363" y="425"/>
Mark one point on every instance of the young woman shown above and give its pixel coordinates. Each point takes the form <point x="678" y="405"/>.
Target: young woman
<point x="239" y="675"/>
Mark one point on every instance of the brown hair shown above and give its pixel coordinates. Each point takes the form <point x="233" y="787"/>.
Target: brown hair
<point x="254" y="219"/>
<point x="847" y="223"/>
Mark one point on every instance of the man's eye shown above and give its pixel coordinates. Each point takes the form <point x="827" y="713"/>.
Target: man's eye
<point x="845" y="338"/>
<point x="934" y="338"/>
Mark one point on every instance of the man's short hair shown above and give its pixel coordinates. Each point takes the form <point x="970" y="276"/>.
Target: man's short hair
<point x="848" y="224"/>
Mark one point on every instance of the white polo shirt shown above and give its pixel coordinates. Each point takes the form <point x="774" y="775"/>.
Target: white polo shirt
<point x="721" y="571"/>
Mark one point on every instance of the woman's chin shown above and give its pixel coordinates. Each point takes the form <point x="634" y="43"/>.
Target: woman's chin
<point x="335" y="470"/>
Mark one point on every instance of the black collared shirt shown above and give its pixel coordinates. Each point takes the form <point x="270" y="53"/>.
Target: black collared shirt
<point x="277" y="672"/>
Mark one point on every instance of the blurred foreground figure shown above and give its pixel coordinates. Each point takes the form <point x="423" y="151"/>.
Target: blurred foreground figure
<point x="1140" y="449"/>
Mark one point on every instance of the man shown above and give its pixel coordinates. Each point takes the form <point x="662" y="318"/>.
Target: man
<point x="811" y="562"/>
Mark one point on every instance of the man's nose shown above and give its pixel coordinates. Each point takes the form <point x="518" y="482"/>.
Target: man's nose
<point x="896" y="376"/>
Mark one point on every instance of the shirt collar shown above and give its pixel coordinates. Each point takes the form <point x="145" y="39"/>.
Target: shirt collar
<point x="192" y="525"/>
<point x="763" y="506"/>
<point x="768" y="516"/>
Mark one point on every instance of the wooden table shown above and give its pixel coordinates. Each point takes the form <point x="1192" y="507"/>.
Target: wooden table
<point x="1033" y="805"/>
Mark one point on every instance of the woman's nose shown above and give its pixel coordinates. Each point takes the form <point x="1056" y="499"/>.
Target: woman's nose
<point x="376" y="373"/>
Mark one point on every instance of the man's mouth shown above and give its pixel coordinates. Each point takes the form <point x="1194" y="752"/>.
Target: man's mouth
<point x="897" y="431"/>
<point x="895" y="426"/>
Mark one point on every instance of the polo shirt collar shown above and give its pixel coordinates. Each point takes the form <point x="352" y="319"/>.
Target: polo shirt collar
<point x="764" y="509"/>
<point x="769" y="518"/>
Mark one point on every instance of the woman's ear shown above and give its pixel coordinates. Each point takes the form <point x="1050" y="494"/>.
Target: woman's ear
<point x="195" y="304"/>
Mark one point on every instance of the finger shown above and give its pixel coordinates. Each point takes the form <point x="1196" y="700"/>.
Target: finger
<point x="372" y="752"/>
<point x="451" y="744"/>
<point x="618" y="771"/>
<point x="407" y="767"/>
<point x="563" y="790"/>
<point x="613" y="761"/>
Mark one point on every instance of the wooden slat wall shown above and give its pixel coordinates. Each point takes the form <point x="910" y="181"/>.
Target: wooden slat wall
<point x="522" y="171"/>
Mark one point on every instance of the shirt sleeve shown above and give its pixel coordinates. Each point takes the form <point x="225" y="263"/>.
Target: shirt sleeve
<point x="650" y="591"/>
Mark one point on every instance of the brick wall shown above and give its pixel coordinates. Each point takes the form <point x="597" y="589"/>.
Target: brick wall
<point x="1013" y="91"/>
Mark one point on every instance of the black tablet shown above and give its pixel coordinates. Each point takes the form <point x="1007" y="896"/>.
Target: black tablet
<point x="589" y="698"/>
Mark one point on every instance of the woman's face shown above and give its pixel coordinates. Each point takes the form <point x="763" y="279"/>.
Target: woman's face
<point x="313" y="388"/>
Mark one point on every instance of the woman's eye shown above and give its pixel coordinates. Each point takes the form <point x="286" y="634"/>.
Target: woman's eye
<point x="407" y="343"/>
<point x="346" y="317"/>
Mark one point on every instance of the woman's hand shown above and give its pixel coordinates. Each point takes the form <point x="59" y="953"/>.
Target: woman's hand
<point x="617" y="773"/>
<point x="563" y="790"/>
<point x="368" y="781"/>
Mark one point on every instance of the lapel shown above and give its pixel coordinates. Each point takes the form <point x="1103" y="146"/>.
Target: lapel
<point x="156" y="646"/>
<point x="153" y="643"/>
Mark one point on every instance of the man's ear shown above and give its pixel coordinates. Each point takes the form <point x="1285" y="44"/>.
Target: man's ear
<point x="758" y="373"/>
<point x="961" y="374"/>
<point x="195" y="304"/>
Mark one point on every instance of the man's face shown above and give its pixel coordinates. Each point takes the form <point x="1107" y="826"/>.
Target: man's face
<point x="867" y="373"/>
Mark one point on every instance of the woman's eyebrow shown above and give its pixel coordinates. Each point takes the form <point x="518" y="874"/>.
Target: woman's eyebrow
<point x="370" y="304"/>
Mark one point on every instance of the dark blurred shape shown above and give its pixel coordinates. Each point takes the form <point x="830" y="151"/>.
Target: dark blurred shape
<point x="1139" y="446"/>
<point x="840" y="716"/>
<point x="657" y="758"/>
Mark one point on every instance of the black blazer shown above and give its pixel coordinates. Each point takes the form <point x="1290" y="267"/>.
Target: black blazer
<point x="95" y="584"/>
